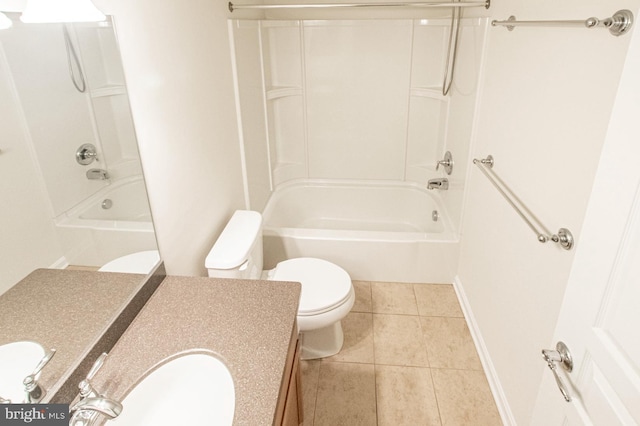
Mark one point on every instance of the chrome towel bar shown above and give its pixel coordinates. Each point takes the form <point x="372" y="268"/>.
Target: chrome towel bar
<point x="620" y="23"/>
<point x="563" y="237"/>
<point x="484" y="3"/>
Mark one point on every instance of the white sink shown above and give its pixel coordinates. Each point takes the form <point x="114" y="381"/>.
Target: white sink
<point x="190" y="390"/>
<point x="17" y="361"/>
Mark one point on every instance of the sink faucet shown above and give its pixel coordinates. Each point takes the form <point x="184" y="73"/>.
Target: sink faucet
<point x="97" y="174"/>
<point x="86" y="411"/>
<point x="32" y="389"/>
<point x="440" y="183"/>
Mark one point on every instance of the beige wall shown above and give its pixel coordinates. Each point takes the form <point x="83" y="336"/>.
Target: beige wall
<point x="547" y="95"/>
<point x="178" y="70"/>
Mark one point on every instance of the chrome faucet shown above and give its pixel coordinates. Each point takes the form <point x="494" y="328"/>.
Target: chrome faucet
<point x="86" y="411"/>
<point x="440" y="183"/>
<point x="447" y="163"/>
<point x="32" y="389"/>
<point x="97" y="174"/>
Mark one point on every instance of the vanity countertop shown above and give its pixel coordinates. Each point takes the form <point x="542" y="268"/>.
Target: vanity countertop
<point x="69" y="311"/>
<point x="248" y="324"/>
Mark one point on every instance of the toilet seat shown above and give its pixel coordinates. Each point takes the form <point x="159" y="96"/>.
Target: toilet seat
<point x="141" y="262"/>
<point x="325" y="285"/>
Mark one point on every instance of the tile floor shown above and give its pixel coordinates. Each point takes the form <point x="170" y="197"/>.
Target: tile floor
<point x="407" y="359"/>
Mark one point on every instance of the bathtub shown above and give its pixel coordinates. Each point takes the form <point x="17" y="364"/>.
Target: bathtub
<point x="93" y="235"/>
<point x="383" y="231"/>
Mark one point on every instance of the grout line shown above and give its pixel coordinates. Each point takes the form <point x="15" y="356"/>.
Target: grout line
<point x="435" y="395"/>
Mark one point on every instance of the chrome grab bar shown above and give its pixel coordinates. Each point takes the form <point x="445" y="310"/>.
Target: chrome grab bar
<point x="620" y="23"/>
<point x="563" y="237"/>
<point x="233" y="7"/>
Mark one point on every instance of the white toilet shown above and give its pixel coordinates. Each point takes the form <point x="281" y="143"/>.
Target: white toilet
<point x="141" y="262"/>
<point x="327" y="293"/>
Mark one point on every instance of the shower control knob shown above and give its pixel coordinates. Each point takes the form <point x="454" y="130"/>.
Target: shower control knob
<point x="447" y="163"/>
<point x="86" y="154"/>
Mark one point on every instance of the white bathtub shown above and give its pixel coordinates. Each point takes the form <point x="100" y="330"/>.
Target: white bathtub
<point x="93" y="235"/>
<point x="377" y="231"/>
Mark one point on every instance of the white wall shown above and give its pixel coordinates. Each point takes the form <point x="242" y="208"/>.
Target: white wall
<point x="178" y="70"/>
<point x="28" y="239"/>
<point x="547" y="95"/>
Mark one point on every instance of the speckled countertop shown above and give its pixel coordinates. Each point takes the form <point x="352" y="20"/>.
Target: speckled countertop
<point x="69" y="311"/>
<point x="246" y="323"/>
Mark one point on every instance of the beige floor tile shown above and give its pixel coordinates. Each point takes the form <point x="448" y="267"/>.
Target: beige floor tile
<point x="358" y="339"/>
<point x="310" y="371"/>
<point x="437" y="300"/>
<point x="363" y="296"/>
<point x="449" y="343"/>
<point x="346" y="395"/>
<point x="393" y="298"/>
<point x="464" y="398"/>
<point x="398" y="340"/>
<point x="405" y="396"/>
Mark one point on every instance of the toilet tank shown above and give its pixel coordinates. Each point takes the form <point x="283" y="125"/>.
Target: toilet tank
<point x="238" y="251"/>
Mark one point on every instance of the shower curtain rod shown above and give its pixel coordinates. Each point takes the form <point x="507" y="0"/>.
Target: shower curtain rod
<point x="233" y="7"/>
<point x="620" y="23"/>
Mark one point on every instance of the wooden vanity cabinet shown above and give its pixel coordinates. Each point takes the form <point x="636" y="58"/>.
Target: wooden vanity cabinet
<point x="289" y="412"/>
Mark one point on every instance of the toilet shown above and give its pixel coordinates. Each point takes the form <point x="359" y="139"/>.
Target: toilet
<point x="327" y="292"/>
<point x="141" y="262"/>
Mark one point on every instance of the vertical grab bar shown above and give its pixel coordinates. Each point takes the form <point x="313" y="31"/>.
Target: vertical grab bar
<point x="563" y="237"/>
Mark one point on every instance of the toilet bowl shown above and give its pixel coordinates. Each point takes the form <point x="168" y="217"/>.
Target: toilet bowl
<point x="141" y="262"/>
<point x="327" y="292"/>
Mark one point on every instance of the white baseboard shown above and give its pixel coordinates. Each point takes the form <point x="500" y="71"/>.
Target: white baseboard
<point x="485" y="359"/>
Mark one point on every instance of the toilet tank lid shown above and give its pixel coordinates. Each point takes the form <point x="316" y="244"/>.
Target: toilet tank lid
<point x="236" y="241"/>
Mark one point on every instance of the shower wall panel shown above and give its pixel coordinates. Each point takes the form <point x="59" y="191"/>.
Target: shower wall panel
<point x="284" y="80"/>
<point x="251" y="97"/>
<point x="357" y="99"/>
<point x="357" y="79"/>
<point x="58" y="116"/>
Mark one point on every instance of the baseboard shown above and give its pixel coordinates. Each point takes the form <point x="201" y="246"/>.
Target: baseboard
<point x="485" y="359"/>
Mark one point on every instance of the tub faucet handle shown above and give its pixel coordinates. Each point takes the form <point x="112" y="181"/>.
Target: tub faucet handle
<point x="86" y="389"/>
<point x="33" y="391"/>
<point x="447" y="163"/>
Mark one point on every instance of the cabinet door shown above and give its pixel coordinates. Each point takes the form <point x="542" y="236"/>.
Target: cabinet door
<point x="293" y="405"/>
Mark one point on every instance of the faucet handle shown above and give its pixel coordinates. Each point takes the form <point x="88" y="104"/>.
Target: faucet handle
<point x="33" y="390"/>
<point x="44" y="361"/>
<point x="85" y="386"/>
<point x="447" y="163"/>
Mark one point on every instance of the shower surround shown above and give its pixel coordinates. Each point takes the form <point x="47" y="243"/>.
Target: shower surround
<point x="355" y="100"/>
<point x="58" y="119"/>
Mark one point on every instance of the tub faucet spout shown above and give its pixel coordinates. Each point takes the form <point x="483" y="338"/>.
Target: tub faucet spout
<point x="440" y="183"/>
<point x="97" y="174"/>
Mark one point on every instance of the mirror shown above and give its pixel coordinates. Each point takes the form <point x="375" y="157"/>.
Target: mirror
<point x="70" y="162"/>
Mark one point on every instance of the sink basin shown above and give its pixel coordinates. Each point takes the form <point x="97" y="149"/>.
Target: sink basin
<point x="17" y="361"/>
<point x="190" y="390"/>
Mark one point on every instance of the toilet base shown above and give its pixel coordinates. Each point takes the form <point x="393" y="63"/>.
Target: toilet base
<point x="322" y="342"/>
